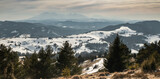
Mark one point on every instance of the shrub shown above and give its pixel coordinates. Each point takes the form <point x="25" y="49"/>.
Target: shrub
<point x="66" y="72"/>
<point x="134" y="66"/>
<point x="148" y="65"/>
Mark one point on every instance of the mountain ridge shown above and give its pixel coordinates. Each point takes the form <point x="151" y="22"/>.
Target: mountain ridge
<point x="93" y="42"/>
<point x="15" y="29"/>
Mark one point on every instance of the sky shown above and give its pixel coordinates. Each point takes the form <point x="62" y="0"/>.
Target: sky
<point x="105" y="9"/>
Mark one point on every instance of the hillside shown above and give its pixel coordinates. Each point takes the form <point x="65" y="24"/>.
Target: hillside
<point x="16" y="29"/>
<point x="94" y="41"/>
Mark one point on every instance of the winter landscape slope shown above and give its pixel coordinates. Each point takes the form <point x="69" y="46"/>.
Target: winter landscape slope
<point x="94" y="41"/>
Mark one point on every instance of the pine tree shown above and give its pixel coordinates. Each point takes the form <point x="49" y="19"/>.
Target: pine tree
<point x="40" y="65"/>
<point x="33" y="70"/>
<point x="67" y="59"/>
<point x="118" y="53"/>
<point x="45" y="62"/>
<point x="125" y="54"/>
<point x="8" y="62"/>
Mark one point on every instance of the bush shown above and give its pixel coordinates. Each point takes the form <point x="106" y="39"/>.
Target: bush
<point x="148" y="65"/>
<point x="134" y="66"/>
<point x="66" y="72"/>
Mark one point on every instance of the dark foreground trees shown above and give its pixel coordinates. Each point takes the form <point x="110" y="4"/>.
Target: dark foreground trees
<point x="149" y="57"/>
<point x="67" y="60"/>
<point x="40" y="65"/>
<point x="8" y="63"/>
<point x="117" y="57"/>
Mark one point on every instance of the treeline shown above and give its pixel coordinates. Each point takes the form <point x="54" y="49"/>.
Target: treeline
<point x="120" y="58"/>
<point x="43" y="64"/>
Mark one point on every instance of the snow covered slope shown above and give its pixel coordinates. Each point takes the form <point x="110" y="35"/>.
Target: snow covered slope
<point x="86" y="42"/>
<point x="92" y="67"/>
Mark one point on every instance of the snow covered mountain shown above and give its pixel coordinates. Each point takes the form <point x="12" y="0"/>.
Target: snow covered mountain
<point x="133" y="35"/>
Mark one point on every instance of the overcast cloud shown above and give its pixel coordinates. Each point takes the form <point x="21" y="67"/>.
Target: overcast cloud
<point x="108" y="9"/>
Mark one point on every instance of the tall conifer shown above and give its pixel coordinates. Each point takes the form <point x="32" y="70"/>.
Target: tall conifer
<point x="67" y="59"/>
<point x="118" y="53"/>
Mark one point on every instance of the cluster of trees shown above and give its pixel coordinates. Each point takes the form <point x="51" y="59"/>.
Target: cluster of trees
<point x="149" y="57"/>
<point x="119" y="57"/>
<point x="8" y="63"/>
<point x="43" y="64"/>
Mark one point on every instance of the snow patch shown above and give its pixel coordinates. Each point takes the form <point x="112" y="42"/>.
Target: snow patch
<point x="15" y="31"/>
<point x="91" y="69"/>
<point x="64" y="26"/>
<point x="152" y="38"/>
<point x="140" y="45"/>
<point x="134" y="51"/>
<point x="25" y="36"/>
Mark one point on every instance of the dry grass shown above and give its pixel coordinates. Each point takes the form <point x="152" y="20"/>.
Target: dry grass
<point x="140" y="75"/>
<point x="130" y="74"/>
<point x="157" y="74"/>
<point x="121" y="76"/>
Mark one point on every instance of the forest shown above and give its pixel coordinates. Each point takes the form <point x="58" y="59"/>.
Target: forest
<point x="45" y="64"/>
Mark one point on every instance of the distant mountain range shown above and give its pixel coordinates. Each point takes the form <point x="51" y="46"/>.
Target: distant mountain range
<point x="60" y="16"/>
<point x="16" y="29"/>
<point x="133" y="35"/>
<point x="71" y="20"/>
<point x="88" y="26"/>
<point x="146" y="27"/>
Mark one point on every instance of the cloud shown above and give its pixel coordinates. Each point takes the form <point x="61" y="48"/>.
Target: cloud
<point x="20" y="9"/>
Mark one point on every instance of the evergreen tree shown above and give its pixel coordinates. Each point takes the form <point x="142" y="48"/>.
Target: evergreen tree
<point x="40" y="65"/>
<point x="8" y="62"/>
<point x="67" y="59"/>
<point x="46" y="66"/>
<point x="117" y="56"/>
<point x="32" y="66"/>
<point x="125" y="54"/>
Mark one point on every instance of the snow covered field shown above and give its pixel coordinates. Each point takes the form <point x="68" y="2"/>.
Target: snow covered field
<point x="79" y="42"/>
